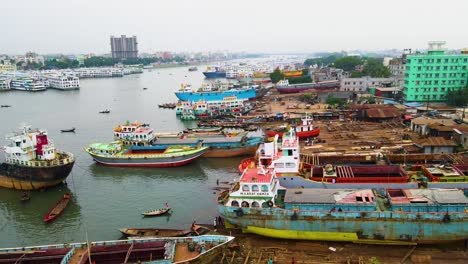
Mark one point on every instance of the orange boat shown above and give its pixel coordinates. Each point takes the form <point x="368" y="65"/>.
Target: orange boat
<point x="58" y="208"/>
<point x="297" y="73"/>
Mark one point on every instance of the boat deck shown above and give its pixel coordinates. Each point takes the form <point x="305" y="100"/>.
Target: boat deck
<point x="182" y="252"/>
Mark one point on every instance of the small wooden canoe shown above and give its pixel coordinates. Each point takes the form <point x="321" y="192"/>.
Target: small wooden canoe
<point x="58" y="208"/>
<point x="104" y="112"/>
<point x="68" y="130"/>
<point x="157" y="212"/>
<point x="158" y="232"/>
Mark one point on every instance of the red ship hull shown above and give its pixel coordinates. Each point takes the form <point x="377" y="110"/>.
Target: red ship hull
<point x="304" y="134"/>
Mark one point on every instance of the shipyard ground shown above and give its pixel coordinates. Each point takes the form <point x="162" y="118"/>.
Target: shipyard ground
<point x="253" y="249"/>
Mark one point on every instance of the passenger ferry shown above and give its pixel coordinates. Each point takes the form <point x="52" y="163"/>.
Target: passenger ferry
<point x="27" y="84"/>
<point x="187" y="94"/>
<point x="5" y="84"/>
<point x="62" y="81"/>
<point x="283" y="86"/>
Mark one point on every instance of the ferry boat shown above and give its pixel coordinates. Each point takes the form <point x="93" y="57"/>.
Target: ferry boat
<point x="164" y="250"/>
<point x="214" y="72"/>
<point x="305" y="130"/>
<point x="27" y="84"/>
<point x="259" y="204"/>
<point x="63" y="81"/>
<point x="32" y="162"/>
<point x="194" y="68"/>
<point x="142" y="138"/>
<point x="187" y="94"/>
<point x="4" y="84"/>
<point x="283" y="86"/>
<point x="227" y="105"/>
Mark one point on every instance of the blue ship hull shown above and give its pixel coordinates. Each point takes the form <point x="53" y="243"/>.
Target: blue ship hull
<point x="357" y="226"/>
<point x="212" y="75"/>
<point x="244" y="94"/>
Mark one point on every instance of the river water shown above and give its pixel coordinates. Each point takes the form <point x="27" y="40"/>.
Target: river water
<point x="105" y="199"/>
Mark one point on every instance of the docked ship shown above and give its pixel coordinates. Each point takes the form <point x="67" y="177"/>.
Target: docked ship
<point x="62" y="81"/>
<point x="164" y="250"/>
<point x="285" y="159"/>
<point x="289" y="74"/>
<point x="143" y="139"/>
<point x="27" y="84"/>
<point x="304" y="130"/>
<point x="32" y="161"/>
<point x="259" y="204"/>
<point x="186" y="93"/>
<point x="116" y="154"/>
<point x="214" y="72"/>
<point x="283" y="86"/>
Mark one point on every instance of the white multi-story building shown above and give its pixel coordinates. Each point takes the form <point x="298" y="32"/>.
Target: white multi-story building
<point x="361" y="84"/>
<point x="30" y="58"/>
<point x="396" y="67"/>
<point x="7" y="68"/>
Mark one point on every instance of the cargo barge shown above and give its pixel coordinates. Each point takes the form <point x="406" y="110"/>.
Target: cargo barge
<point x="259" y="204"/>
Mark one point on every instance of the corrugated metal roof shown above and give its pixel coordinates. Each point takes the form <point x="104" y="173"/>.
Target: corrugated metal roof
<point x="324" y="196"/>
<point x="437" y="142"/>
<point x="382" y="113"/>
<point x="441" y="196"/>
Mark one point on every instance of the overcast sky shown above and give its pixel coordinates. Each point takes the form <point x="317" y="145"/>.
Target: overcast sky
<point x="84" y="26"/>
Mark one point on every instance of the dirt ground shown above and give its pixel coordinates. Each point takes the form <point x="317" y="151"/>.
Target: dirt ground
<point x="255" y="249"/>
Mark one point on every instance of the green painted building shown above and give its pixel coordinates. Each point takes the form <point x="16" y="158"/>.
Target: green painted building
<point x="429" y="76"/>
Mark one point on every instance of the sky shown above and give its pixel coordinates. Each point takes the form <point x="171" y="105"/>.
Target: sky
<point x="267" y="26"/>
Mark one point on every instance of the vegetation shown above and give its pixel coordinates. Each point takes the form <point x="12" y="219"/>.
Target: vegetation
<point x="305" y="72"/>
<point x="323" y="60"/>
<point x="307" y="98"/>
<point x="458" y="98"/>
<point x="302" y="79"/>
<point x="347" y="63"/>
<point x="61" y="64"/>
<point x="276" y="76"/>
<point x="370" y="100"/>
<point x="105" y="61"/>
<point x="375" y="68"/>
<point x="335" y="101"/>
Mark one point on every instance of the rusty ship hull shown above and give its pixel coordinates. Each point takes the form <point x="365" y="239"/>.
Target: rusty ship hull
<point x="15" y="176"/>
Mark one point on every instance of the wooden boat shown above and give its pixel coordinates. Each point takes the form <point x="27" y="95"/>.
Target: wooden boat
<point x="5" y="106"/>
<point x="145" y="88"/>
<point x="197" y="249"/>
<point x="157" y="212"/>
<point x="159" y="232"/>
<point x="71" y="130"/>
<point x="104" y="112"/>
<point x="58" y="208"/>
<point x="25" y="196"/>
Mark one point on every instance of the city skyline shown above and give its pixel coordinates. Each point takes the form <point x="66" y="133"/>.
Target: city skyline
<point x="78" y="27"/>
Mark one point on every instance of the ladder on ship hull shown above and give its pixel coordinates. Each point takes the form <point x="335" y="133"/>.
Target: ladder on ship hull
<point x="344" y="172"/>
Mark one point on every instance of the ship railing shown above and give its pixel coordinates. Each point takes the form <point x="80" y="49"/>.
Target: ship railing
<point x="69" y="158"/>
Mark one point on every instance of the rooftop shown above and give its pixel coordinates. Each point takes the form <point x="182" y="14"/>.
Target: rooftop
<point x="436" y="142"/>
<point x="328" y="196"/>
<point x="254" y="175"/>
<point x="432" y="196"/>
<point x="426" y="121"/>
<point x="383" y="112"/>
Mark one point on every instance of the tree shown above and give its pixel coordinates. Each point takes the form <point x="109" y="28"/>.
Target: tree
<point x="276" y="76"/>
<point x="323" y="60"/>
<point x="332" y="101"/>
<point x="302" y="79"/>
<point x="458" y="98"/>
<point x="375" y="68"/>
<point x="357" y="74"/>
<point x="305" y="72"/>
<point x="347" y="63"/>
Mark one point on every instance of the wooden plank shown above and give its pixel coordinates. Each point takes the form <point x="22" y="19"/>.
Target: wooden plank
<point x="407" y="255"/>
